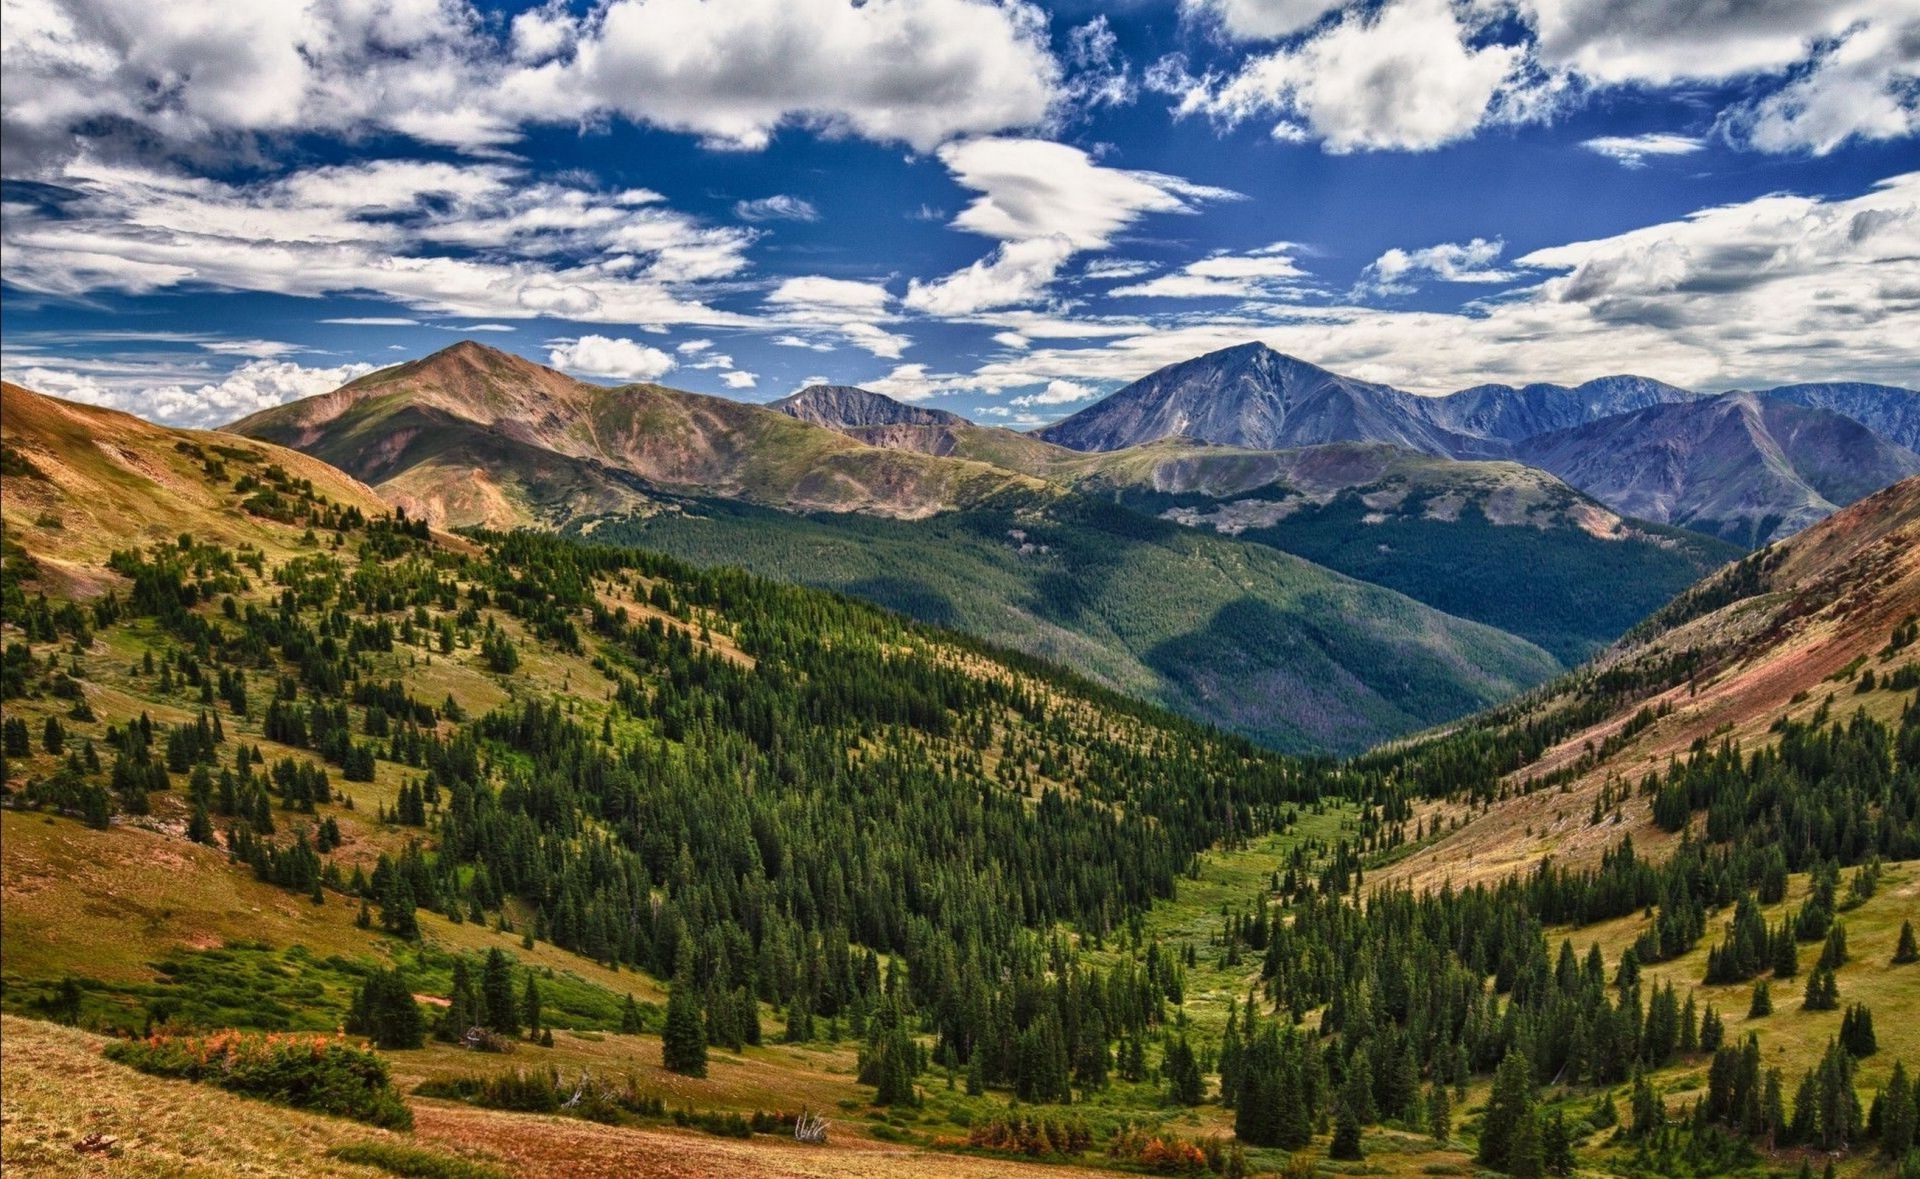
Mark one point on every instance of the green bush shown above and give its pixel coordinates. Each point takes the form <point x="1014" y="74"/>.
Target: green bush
<point x="323" y="1074"/>
<point x="412" y="1162"/>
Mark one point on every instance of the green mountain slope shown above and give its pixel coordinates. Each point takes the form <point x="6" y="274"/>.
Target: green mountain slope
<point x="1242" y="635"/>
<point x="1228" y="632"/>
<point x="1496" y="542"/>
<point x="475" y="436"/>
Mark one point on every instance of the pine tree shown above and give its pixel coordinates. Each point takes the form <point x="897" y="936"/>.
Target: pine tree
<point x="1556" y="1145"/>
<point x="1439" y="1115"/>
<point x="530" y="1006"/>
<point x="1762" y="1002"/>
<point x="1908" y="950"/>
<point x="501" y="1006"/>
<point x="1898" y="1114"/>
<point x="630" y="1021"/>
<point x="460" y="1011"/>
<point x="1347" y="1117"/>
<point x="684" y="1043"/>
<point x="1185" y="1085"/>
<point x="1510" y="1104"/>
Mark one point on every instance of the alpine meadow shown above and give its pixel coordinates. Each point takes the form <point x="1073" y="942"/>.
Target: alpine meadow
<point x="863" y="588"/>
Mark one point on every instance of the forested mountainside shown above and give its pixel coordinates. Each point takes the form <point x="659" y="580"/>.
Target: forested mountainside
<point x="712" y="849"/>
<point x="520" y="776"/>
<point x="1495" y="542"/>
<point x="1746" y="467"/>
<point x="1256" y="641"/>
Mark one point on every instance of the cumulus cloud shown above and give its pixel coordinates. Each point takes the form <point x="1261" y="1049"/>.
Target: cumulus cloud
<point x="1778" y="289"/>
<point x="740" y="379"/>
<point x="1258" y="20"/>
<point x="1866" y="86"/>
<point x="1224" y="275"/>
<point x="480" y="240"/>
<point x="779" y="207"/>
<point x="1398" y="271"/>
<point x="1663" y="41"/>
<point x="201" y="73"/>
<point x="159" y="393"/>
<point x="1057" y="392"/>
<point x="1405" y="76"/>
<point x="1045" y="202"/>
<point x="736" y="73"/>
<point x="603" y="356"/>
<point x="1631" y="151"/>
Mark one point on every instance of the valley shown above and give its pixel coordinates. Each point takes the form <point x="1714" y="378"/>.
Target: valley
<point x="716" y="850"/>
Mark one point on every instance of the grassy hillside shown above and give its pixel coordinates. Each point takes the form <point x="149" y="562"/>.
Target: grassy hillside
<point x="753" y="848"/>
<point x="1494" y="542"/>
<point x="1240" y="635"/>
<point x="475" y="436"/>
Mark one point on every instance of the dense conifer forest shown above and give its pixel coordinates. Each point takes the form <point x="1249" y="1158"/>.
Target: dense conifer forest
<point x="815" y="821"/>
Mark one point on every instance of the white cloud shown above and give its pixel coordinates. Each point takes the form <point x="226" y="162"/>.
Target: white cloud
<point x="1631" y="151"/>
<point x="1057" y="392"/>
<point x="1262" y="272"/>
<point x="740" y="379"/>
<point x="1615" y="42"/>
<point x="1407" y="76"/>
<point x="207" y="74"/>
<point x="779" y="207"/>
<point x="878" y="341"/>
<point x="373" y="321"/>
<point x="1778" y="289"/>
<point x="1045" y="202"/>
<point x="158" y="393"/>
<point x="1398" y="271"/>
<point x="1116" y="268"/>
<point x="479" y="240"/>
<point x="792" y="341"/>
<point x="1259" y="20"/>
<point x="829" y="298"/>
<point x="693" y="347"/>
<point x="1101" y="75"/>
<point x="603" y="356"/>
<point x="192" y="72"/>
<point x="483" y="327"/>
<point x="1867" y="86"/>
<point x="735" y="73"/>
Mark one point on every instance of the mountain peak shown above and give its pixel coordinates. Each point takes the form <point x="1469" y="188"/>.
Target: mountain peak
<point x="847" y="407"/>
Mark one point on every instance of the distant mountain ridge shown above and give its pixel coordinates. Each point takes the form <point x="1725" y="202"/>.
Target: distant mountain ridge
<point x="1746" y="466"/>
<point x="840" y="407"/>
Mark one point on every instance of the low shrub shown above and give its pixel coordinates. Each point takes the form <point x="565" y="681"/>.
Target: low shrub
<point x="1033" y="1137"/>
<point x="324" y="1074"/>
<point x="546" y="1091"/>
<point x="412" y="1162"/>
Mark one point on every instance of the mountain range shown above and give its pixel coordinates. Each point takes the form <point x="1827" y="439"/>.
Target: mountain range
<point x="1745" y="466"/>
<point x="1353" y="561"/>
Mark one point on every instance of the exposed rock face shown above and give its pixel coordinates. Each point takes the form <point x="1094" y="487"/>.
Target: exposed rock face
<point x="1744" y="467"/>
<point x="848" y="407"/>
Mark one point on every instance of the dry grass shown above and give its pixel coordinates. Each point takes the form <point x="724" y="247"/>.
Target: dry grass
<point x="55" y="1088"/>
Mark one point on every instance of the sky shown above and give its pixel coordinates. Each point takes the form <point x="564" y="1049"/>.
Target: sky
<point x="1003" y="209"/>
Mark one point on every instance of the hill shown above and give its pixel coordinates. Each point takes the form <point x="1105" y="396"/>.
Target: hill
<point x="1497" y="542"/>
<point x="82" y="481"/>
<point x="472" y="435"/>
<point x="706" y="850"/>
<point x="1815" y="625"/>
<point x="1494" y="542"/>
<point x="1239" y="635"/>
<point x="682" y="473"/>
<point x="1253" y="397"/>
<point x="1743" y="467"/>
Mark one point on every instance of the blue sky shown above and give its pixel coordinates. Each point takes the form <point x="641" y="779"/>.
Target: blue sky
<point x="999" y="208"/>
